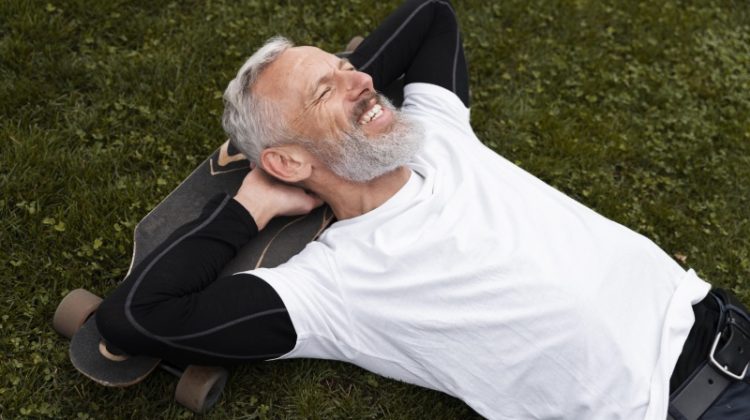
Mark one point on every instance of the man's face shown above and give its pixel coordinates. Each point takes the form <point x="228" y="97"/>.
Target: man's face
<point x="337" y="114"/>
<point x="323" y="96"/>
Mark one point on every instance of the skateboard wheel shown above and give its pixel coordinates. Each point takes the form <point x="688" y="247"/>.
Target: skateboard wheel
<point x="75" y="308"/>
<point x="200" y="386"/>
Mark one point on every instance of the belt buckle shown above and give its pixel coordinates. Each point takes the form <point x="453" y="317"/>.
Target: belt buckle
<point x="724" y="369"/>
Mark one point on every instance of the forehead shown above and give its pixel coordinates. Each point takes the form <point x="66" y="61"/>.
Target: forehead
<point x="294" y="72"/>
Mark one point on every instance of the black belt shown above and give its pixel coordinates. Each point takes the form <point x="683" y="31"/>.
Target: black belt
<point x="727" y="362"/>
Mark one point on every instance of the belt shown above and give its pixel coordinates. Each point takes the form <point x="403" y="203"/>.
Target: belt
<point x="727" y="362"/>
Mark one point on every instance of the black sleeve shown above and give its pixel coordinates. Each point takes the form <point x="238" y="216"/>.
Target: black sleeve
<point x="420" y="40"/>
<point x="192" y="257"/>
<point x="173" y="305"/>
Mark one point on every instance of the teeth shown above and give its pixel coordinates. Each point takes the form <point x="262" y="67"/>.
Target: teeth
<point x="375" y="112"/>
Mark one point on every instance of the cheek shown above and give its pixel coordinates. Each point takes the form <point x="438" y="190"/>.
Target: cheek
<point x="318" y="125"/>
<point x="333" y="122"/>
<point x="330" y="120"/>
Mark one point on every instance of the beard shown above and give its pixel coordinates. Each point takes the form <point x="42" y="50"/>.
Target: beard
<point x="358" y="158"/>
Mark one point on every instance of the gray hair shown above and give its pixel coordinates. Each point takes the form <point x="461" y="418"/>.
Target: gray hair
<point x="252" y="122"/>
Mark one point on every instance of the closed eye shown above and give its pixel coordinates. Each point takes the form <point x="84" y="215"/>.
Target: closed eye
<point x="323" y="95"/>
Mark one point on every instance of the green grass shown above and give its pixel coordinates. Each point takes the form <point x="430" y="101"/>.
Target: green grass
<point x="639" y="109"/>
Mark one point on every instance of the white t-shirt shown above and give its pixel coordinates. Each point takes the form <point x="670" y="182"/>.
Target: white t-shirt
<point x="479" y="280"/>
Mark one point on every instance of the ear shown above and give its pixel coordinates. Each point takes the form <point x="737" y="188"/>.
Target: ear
<point x="289" y="163"/>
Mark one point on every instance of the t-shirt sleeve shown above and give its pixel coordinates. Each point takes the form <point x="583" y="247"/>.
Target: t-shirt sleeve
<point x="308" y="286"/>
<point x="431" y="101"/>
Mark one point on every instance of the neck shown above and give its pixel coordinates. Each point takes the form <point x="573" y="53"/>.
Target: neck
<point x="351" y="199"/>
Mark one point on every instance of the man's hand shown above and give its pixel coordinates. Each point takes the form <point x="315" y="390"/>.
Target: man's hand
<point x="265" y="198"/>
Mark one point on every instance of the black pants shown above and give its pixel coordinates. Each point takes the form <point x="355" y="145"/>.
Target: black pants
<point x="174" y="306"/>
<point x="734" y="402"/>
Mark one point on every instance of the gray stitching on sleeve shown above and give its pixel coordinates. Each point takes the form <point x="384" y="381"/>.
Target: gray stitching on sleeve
<point x="388" y="41"/>
<point x="224" y="355"/>
<point x="168" y="340"/>
<point x="455" y="55"/>
<point x="225" y="325"/>
<point x="129" y="300"/>
<point x="403" y="25"/>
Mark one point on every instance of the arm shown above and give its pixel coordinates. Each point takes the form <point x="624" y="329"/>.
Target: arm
<point x="173" y="305"/>
<point x="420" y="40"/>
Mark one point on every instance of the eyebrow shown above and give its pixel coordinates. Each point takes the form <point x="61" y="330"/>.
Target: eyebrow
<point x="327" y="77"/>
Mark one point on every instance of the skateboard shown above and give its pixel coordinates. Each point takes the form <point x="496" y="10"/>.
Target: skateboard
<point x="199" y="387"/>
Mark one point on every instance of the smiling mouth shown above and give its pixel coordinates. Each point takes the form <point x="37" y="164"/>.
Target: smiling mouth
<point x="367" y="110"/>
<point x="371" y="114"/>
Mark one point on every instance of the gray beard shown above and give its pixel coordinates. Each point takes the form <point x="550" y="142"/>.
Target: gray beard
<point x="360" y="159"/>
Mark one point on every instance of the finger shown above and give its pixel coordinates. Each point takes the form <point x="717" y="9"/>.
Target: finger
<point x="316" y="199"/>
<point x="317" y="203"/>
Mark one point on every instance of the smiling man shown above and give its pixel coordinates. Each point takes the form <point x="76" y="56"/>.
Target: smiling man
<point x="448" y="267"/>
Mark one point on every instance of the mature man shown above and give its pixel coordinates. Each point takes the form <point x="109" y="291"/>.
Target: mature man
<point x="449" y="267"/>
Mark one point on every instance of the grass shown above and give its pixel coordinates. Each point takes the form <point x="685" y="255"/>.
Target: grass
<point x="639" y="109"/>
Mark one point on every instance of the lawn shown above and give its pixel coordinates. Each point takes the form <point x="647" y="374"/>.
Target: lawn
<point x="638" y="109"/>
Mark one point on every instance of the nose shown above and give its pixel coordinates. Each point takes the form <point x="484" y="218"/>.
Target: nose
<point x="357" y="84"/>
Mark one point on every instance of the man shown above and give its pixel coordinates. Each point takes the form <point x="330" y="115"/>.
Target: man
<point x="449" y="267"/>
